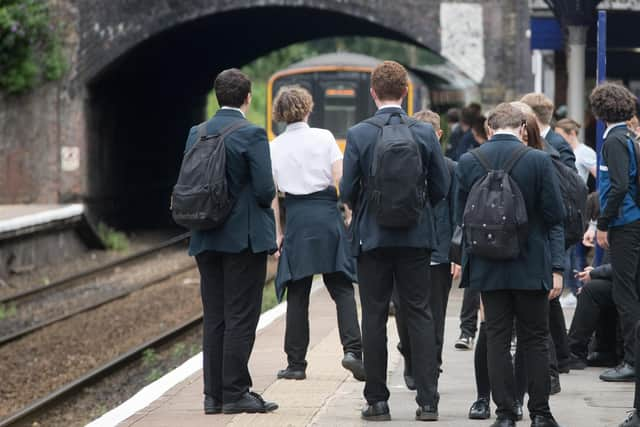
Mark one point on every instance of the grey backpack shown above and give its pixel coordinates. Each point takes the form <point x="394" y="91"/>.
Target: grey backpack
<point x="201" y="198"/>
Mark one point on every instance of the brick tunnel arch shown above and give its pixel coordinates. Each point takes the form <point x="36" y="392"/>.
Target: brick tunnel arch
<point x="143" y="96"/>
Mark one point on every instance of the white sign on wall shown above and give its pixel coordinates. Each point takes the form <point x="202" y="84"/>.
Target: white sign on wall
<point x="620" y="4"/>
<point x="462" y="37"/>
<point x="70" y="158"/>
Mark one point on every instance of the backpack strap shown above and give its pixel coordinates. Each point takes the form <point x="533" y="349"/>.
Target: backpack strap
<point x="233" y="127"/>
<point x="481" y="158"/>
<point x="376" y="121"/>
<point x="515" y="157"/>
<point x="202" y="130"/>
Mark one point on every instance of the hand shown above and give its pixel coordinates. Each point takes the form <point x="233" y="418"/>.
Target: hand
<point x="589" y="238"/>
<point x="348" y="215"/>
<point x="279" y="240"/>
<point x="557" y="286"/>
<point x="584" y="276"/>
<point x="455" y="271"/>
<point x="603" y="239"/>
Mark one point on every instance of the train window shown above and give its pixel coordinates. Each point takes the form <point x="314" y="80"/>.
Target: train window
<point x="340" y="104"/>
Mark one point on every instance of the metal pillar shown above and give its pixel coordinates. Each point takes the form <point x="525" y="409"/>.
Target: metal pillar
<point x="601" y="76"/>
<point x="576" y="46"/>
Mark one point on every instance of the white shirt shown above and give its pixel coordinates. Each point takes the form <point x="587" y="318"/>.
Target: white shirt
<point x="301" y="159"/>
<point x="585" y="160"/>
<point x="544" y="132"/>
<point x="234" y="109"/>
<point x="390" y="106"/>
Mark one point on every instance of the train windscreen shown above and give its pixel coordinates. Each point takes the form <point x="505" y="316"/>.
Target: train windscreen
<point x="340" y="107"/>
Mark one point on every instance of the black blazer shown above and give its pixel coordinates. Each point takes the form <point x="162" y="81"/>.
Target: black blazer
<point x="251" y="224"/>
<point x="562" y="146"/>
<point x="535" y="175"/>
<point x="365" y="232"/>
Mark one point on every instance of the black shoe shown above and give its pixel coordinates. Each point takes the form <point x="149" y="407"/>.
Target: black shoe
<point x="480" y="410"/>
<point x="602" y="360"/>
<point x="517" y="409"/>
<point x="623" y="373"/>
<point x="504" y="422"/>
<point x="250" y="403"/>
<point x="427" y="413"/>
<point x="379" y="411"/>
<point x="465" y="342"/>
<point x="212" y="405"/>
<point x="564" y="366"/>
<point x="576" y="363"/>
<point x="554" y="385"/>
<point x="353" y="363"/>
<point x="543" y="421"/>
<point x="632" y="421"/>
<point x="292" y="374"/>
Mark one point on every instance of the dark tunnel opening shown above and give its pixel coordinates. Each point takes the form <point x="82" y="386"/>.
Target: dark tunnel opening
<point x="142" y="105"/>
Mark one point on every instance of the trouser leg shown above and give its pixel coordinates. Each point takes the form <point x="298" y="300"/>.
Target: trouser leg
<point x="411" y="269"/>
<point x="404" y="344"/>
<point x="586" y="317"/>
<point x="244" y="276"/>
<point x="531" y="308"/>
<point x="636" y="397"/>
<point x="499" y="316"/>
<point x="520" y="373"/>
<point x="625" y="261"/>
<point x="483" y="386"/>
<point x="469" y="312"/>
<point x="296" y="335"/>
<point x="571" y="264"/>
<point x="341" y="290"/>
<point x="438" y="300"/>
<point x="558" y="330"/>
<point x="375" y="274"/>
<point x="212" y="294"/>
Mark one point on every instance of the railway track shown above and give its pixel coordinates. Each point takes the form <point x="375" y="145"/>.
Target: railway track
<point x="34" y="408"/>
<point x="37" y="294"/>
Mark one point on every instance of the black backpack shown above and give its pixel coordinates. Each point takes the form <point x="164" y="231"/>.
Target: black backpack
<point x="201" y="198"/>
<point x="495" y="219"/>
<point x="574" y="193"/>
<point x="397" y="183"/>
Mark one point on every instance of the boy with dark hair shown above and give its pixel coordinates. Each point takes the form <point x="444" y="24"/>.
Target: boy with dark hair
<point x="232" y="258"/>
<point x="619" y="220"/>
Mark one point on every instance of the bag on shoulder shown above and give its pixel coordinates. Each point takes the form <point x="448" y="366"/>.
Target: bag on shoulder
<point x="397" y="183"/>
<point x="495" y="222"/>
<point x="636" y="151"/>
<point x="574" y="192"/>
<point x="201" y="198"/>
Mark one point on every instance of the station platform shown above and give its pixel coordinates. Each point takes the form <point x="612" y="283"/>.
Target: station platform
<point x="331" y="397"/>
<point x="15" y="219"/>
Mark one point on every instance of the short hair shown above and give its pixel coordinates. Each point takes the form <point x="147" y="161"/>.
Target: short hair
<point x="453" y="115"/>
<point x="430" y="117"/>
<point x="506" y="116"/>
<point x="568" y="125"/>
<point x="534" y="139"/>
<point x="232" y="87"/>
<point x="541" y="105"/>
<point x="469" y="114"/>
<point x="479" y="126"/>
<point x="389" y="81"/>
<point x="292" y="104"/>
<point x="612" y="102"/>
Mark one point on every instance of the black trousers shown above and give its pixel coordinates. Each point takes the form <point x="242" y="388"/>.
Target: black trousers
<point x="530" y="309"/>
<point x="296" y="338"/>
<point x="410" y="268"/>
<point x="594" y="300"/>
<point x="559" y="341"/>
<point x="438" y="300"/>
<point x="469" y="312"/>
<point x="636" y="397"/>
<point x="480" y="362"/>
<point x="624" y="253"/>
<point x="231" y="288"/>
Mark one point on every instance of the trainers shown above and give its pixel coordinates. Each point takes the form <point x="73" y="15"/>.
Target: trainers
<point x="568" y="301"/>
<point x="464" y="343"/>
<point x="633" y="420"/>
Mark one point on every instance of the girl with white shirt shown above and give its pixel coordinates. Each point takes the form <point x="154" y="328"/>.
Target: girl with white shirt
<point x="307" y="167"/>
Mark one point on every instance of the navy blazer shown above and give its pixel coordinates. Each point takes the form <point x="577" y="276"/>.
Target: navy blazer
<point x="443" y="213"/>
<point x="365" y="232"/>
<point x="535" y="175"/>
<point x="562" y="146"/>
<point x="251" y="224"/>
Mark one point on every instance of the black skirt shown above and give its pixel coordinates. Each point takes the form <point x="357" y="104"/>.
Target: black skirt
<point x="315" y="239"/>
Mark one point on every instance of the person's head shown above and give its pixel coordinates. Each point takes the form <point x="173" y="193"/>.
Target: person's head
<point x="479" y="129"/>
<point x="506" y="118"/>
<point x="531" y="135"/>
<point x="292" y="104"/>
<point x="569" y="130"/>
<point x="612" y="103"/>
<point x="389" y="83"/>
<point x="634" y="124"/>
<point x="453" y="116"/>
<point x="468" y="116"/>
<point x="430" y="117"/>
<point x="542" y="107"/>
<point x="233" y="89"/>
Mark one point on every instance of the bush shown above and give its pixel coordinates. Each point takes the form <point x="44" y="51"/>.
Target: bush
<point x="30" y="47"/>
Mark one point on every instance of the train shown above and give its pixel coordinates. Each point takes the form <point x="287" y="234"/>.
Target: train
<point x="339" y="84"/>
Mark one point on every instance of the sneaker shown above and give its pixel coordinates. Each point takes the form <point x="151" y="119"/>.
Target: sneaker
<point x="568" y="301"/>
<point x="633" y="420"/>
<point x="464" y="343"/>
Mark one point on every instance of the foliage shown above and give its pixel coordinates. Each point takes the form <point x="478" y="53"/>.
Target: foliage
<point x="269" y="299"/>
<point x="113" y="240"/>
<point x="30" y="47"/>
<point x="7" y="311"/>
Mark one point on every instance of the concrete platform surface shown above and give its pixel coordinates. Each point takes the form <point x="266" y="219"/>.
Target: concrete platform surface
<point x="19" y="216"/>
<point x="331" y="397"/>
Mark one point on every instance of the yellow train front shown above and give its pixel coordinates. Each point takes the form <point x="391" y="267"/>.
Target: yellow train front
<point x="339" y="84"/>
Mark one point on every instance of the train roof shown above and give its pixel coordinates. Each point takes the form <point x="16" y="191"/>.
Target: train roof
<point x="339" y="59"/>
